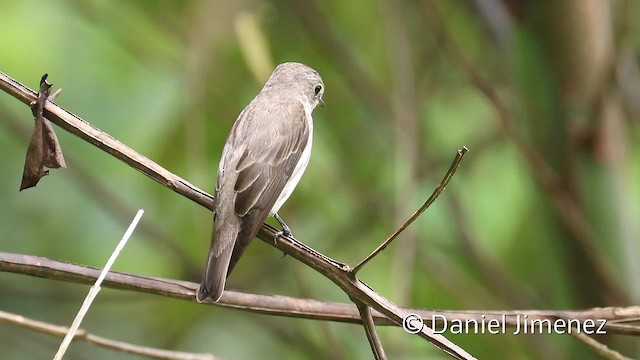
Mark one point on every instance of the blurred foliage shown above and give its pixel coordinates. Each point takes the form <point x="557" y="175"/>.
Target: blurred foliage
<point x="169" y="78"/>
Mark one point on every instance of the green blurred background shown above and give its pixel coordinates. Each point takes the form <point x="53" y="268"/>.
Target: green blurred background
<point x="407" y="84"/>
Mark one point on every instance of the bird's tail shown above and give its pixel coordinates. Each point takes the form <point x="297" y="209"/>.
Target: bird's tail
<point x="215" y="273"/>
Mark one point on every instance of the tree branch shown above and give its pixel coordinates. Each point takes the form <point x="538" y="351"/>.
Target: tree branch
<point x="296" y="307"/>
<point x="81" y="334"/>
<point x="600" y="348"/>
<point x="370" y="330"/>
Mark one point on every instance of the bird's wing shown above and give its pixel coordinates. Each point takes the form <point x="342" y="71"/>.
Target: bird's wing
<point x="266" y="149"/>
<point x="275" y="141"/>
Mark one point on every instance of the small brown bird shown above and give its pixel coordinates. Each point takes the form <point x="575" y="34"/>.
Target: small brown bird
<point x="266" y="153"/>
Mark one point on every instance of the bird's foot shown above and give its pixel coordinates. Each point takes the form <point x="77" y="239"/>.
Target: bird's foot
<point x="286" y="231"/>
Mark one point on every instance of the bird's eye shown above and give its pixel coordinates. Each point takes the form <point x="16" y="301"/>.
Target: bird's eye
<point x="317" y="89"/>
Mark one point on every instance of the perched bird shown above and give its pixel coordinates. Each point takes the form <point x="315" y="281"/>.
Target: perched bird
<point x="266" y="153"/>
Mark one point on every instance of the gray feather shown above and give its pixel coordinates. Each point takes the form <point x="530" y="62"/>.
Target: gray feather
<point x="264" y="147"/>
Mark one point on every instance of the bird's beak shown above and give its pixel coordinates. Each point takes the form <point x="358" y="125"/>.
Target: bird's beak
<point x="322" y="104"/>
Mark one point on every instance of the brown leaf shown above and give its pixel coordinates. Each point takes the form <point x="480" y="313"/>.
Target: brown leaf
<point x="52" y="152"/>
<point x="44" y="148"/>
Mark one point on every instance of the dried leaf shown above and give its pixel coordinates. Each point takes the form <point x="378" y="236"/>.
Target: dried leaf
<point x="52" y="152"/>
<point x="44" y="148"/>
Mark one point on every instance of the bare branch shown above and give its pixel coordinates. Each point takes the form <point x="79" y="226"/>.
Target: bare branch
<point x="425" y="206"/>
<point x="370" y="330"/>
<point x="296" y="307"/>
<point x="600" y="348"/>
<point x="83" y="335"/>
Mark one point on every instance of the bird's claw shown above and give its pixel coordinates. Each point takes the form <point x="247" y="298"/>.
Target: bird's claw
<point x="284" y="232"/>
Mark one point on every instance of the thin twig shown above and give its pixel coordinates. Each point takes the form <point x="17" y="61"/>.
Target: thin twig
<point x="600" y="348"/>
<point x="370" y="330"/>
<point x="83" y="335"/>
<point x="55" y="94"/>
<point x="430" y="200"/>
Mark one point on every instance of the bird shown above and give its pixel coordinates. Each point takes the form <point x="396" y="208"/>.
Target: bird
<point x="266" y="153"/>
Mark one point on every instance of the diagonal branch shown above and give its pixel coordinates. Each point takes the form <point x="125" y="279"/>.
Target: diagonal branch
<point x="600" y="348"/>
<point x="370" y="330"/>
